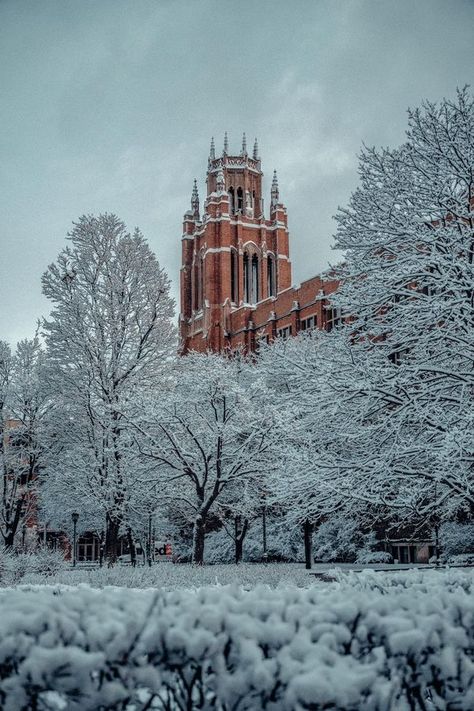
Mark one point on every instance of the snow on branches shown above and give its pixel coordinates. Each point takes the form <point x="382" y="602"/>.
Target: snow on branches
<point x="109" y="333"/>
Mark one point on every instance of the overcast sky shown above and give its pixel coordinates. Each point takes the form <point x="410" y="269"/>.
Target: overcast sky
<point x="109" y="105"/>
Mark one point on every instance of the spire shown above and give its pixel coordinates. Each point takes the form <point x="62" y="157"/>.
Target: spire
<point x="255" y="150"/>
<point x="212" y="151"/>
<point x="195" y="201"/>
<point x="226" y="144"/>
<point x="275" y="193"/>
<point x="244" y="144"/>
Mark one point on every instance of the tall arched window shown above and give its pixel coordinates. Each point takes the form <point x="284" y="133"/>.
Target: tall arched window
<point x="251" y="278"/>
<point x="234" y="276"/>
<point x="255" y="280"/>
<point x="201" y="281"/>
<point x="196" y="285"/>
<point x="271" y="280"/>
<point x="246" y="278"/>
<point x="240" y="200"/>
<point x="198" y="282"/>
<point x="231" y="201"/>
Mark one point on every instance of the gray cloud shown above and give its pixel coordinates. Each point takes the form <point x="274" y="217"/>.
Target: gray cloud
<point x="109" y="106"/>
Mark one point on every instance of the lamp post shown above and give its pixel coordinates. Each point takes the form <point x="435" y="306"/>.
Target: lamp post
<point x="75" y="518"/>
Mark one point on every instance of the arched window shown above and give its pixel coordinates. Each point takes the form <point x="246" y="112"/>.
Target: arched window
<point x="234" y="276"/>
<point x="255" y="280"/>
<point x="196" y="286"/>
<point x="240" y="200"/>
<point x="198" y="283"/>
<point x="246" y="279"/>
<point x="231" y="201"/>
<point x="271" y="281"/>
<point x="251" y="278"/>
<point x="201" y="281"/>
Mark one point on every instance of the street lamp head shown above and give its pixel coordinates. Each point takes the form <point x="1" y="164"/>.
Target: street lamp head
<point x="75" y="517"/>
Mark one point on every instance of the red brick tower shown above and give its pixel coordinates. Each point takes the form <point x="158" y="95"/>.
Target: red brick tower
<point x="233" y="258"/>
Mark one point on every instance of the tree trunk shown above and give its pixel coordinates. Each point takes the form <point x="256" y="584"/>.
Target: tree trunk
<point x="198" y="540"/>
<point x="13" y="523"/>
<point x="308" y="533"/>
<point x="112" y="527"/>
<point x="131" y="545"/>
<point x="239" y="537"/>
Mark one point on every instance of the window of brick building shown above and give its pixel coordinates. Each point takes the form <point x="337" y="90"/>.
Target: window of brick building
<point x="255" y="280"/>
<point x="234" y="277"/>
<point x="333" y="318"/>
<point x="309" y="323"/>
<point x="284" y="332"/>
<point x="240" y="200"/>
<point x="231" y="201"/>
<point x="271" y="276"/>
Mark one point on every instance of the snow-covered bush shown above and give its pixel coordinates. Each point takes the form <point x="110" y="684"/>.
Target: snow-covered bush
<point x="220" y="649"/>
<point x="400" y="581"/>
<point x="340" y="539"/>
<point x="369" y="557"/>
<point x="456" y="538"/>
<point x="461" y="559"/>
<point x="169" y="576"/>
<point x="284" y="543"/>
<point x="14" y="567"/>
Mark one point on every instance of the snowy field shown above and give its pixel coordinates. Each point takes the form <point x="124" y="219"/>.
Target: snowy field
<point x="367" y="641"/>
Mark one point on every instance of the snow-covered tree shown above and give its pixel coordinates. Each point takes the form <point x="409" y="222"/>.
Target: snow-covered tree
<point x="108" y="335"/>
<point x="208" y="436"/>
<point x="340" y="538"/>
<point x="305" y="377"/>
<point x="407" y="283"/>
<point x="5" y="376"/>
<point x="24" y="403"/>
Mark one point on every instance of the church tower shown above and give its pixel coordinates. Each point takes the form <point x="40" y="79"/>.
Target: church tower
<point x="233" y="257"/>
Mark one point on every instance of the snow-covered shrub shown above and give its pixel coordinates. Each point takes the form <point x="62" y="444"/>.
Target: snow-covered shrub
<point x="219" y="547"/>
<point x="456" y="538"/>
<point x="461" y="559"/>
<point x="369" y="557"/>
<point x="284" y="543"/>
<point x="223" y="648"/>
<point x="47" y="561"/>
<point x="339" y="539"/>
<point x="400" y="581"/>
<point x="169" y="576"/>
<point x="15" y="567"/>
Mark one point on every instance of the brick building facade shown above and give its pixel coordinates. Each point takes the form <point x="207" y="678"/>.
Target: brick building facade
<point x="236" y="280"/>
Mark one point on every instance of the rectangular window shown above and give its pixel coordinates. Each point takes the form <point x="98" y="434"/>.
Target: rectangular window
<point x="333" y="318"/>
<point x="284" y="332"/>
<point x="308" y="323"/>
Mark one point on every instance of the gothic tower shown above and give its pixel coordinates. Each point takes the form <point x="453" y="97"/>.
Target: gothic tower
<point x="233" y="258"/>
